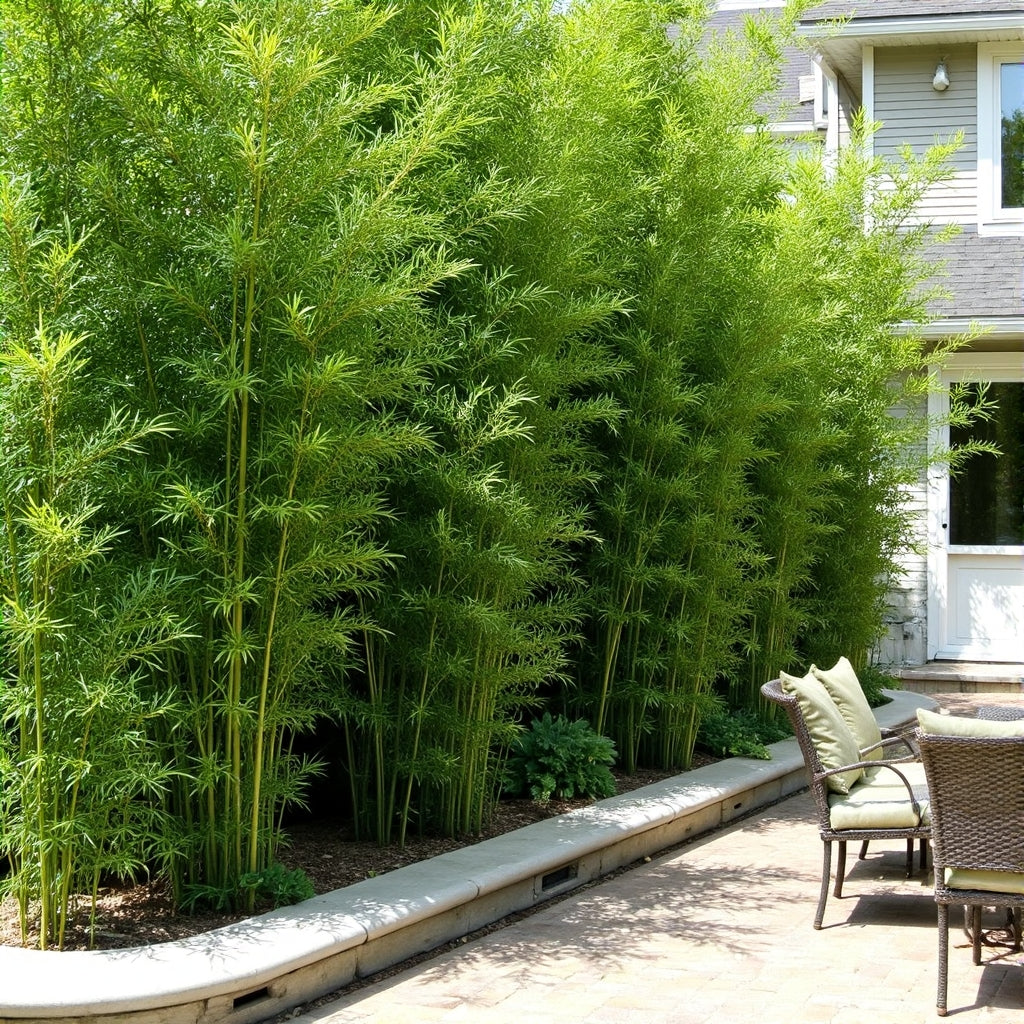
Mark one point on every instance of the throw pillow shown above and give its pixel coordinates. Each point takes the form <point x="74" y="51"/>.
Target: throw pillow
<point x="956" y="725"/>
<point x="829" y="732"/>
<point x="844" y="688"/>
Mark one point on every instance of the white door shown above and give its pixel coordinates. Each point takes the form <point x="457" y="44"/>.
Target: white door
<point x="976" y="522"/>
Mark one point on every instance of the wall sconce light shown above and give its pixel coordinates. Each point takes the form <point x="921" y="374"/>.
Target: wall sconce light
<point x="940" y="83"/>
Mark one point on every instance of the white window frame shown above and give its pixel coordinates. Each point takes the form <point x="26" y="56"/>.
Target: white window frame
<point x="993" y="219"/>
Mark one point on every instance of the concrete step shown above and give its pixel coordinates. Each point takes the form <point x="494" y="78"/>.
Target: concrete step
<point x="963" y="677"/>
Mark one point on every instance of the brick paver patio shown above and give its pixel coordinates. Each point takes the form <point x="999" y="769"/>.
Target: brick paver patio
<point x="717" y="931"/>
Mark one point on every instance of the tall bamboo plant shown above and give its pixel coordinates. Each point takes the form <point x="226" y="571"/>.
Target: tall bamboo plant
<point x="671" y="574"/>
<point x="488" y="600"/>
<point x="80" y="628"/>
<point x="833" y="491"/>
<point x="308" y="261"/>
<point x="266" y="257"/>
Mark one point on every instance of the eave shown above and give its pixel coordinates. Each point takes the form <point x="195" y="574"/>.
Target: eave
<point x="841" y="44"/>
<point x="987" y="328"/>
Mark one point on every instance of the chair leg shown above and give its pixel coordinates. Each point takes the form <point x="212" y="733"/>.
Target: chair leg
<point x="924" y="854"/>
<point x="826" y="871"/>
<point x="940" y="1000"/>
<point x="840" y="869"/>
<point x="910" y="858"/>
<point x="863" y="850"/>
<point x="976" y="934"/>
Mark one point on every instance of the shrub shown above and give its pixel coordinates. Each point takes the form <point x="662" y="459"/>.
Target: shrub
<point x="740" y="733"/>
<point x="872" y="681"/>
<point x="278" y="885"/>
<point x="275" y="885"/>
<point x="560" y="758"/>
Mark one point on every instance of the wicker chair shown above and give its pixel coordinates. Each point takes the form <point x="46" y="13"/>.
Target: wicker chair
<point x="976" y="789"/>
<point x="895" y="771"/>
<point x="1000" y="713"/>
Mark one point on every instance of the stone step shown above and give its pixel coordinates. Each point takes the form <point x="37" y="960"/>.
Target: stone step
<point x="963" y="677"/>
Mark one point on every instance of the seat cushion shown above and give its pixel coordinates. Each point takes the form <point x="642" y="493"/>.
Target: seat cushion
<point x="829" y="732"/>
<point x="844" y="688"/>
<point x="880" y="800"/>
<point x="956" y="725"/>
<point x="986" y="881"/>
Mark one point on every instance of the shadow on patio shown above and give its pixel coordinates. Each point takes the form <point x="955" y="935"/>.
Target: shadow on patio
<point x="715" y="931"/>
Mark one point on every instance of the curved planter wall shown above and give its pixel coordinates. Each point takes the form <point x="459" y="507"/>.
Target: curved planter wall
<point x="254" y="969"/>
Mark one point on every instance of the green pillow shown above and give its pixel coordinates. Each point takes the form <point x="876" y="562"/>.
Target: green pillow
<point x="829" y="732"/>
<point x="844" y="688"/>
<point x="956" y="725"/>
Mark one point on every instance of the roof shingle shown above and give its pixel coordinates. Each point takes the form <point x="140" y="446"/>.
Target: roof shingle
<point x="984" y="276"/>
<point x="858" y="10"/>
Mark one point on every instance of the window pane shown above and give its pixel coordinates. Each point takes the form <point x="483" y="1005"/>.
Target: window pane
<point x="1011" y="100"/>
<point x="986" y="497"/>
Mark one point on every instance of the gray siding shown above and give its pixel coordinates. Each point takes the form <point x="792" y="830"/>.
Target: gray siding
<point x="913" y="113"/>
<point x="848" y="107"/>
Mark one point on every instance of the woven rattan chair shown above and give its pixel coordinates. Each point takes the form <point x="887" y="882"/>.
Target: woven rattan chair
<point x="892" y="772"/>
<point x="1000" y="713"/>
<point x="976" y="790"/>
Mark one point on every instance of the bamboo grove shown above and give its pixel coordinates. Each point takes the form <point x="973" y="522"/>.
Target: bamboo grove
<point x="411" y="372"/>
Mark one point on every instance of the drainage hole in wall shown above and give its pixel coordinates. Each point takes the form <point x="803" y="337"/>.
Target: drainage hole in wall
<point x="250" y="997"/>
<point x="558" y="877"/>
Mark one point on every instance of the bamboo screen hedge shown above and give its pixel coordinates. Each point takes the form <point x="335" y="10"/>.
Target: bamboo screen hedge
<point x="416" y="371"/>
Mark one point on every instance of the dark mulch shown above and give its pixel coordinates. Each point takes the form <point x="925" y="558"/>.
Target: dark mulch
<point x="139" y="915"/>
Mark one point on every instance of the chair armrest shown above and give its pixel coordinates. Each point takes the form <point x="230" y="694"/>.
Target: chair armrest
<point x="891" y="738"/>
<point x="906" y="733"/>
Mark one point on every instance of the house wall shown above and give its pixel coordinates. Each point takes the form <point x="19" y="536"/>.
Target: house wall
<point x="905" y="641"/>
<point x="848" y="106"/>
<point x="906" y="613"/>
<point x="913" y="113"/>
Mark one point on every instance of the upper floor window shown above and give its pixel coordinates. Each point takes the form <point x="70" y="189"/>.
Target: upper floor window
<point x="1000" y="138"/>
<point x="1011" y="117"/>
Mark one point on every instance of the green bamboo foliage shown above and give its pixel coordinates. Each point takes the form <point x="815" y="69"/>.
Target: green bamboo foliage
<point x="79" y="628"/>
<point x="308" y="262"/>
<point x="672" y="572"/>
<point x="473" y="361"/>
<point x="487" y="602"/>
<point x="833" y="514"/>
<point x="267" y="257"/>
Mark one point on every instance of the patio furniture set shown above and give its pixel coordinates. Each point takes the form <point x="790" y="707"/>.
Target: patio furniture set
<point x="953" y="784"/>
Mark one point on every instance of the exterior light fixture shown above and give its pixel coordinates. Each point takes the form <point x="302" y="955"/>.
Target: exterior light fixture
<point x="940" y="83"/>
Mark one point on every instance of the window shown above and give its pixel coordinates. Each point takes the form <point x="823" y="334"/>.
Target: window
<point x="986" y="498"/>
<point x="1011" y="142"/>
<point x="1000" y="138"/>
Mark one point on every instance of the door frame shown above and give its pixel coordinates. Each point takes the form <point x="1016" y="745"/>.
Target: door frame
<point x="962" y="366"/>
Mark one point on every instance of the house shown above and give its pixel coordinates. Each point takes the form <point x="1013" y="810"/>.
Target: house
<point x="926" y="69"/>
